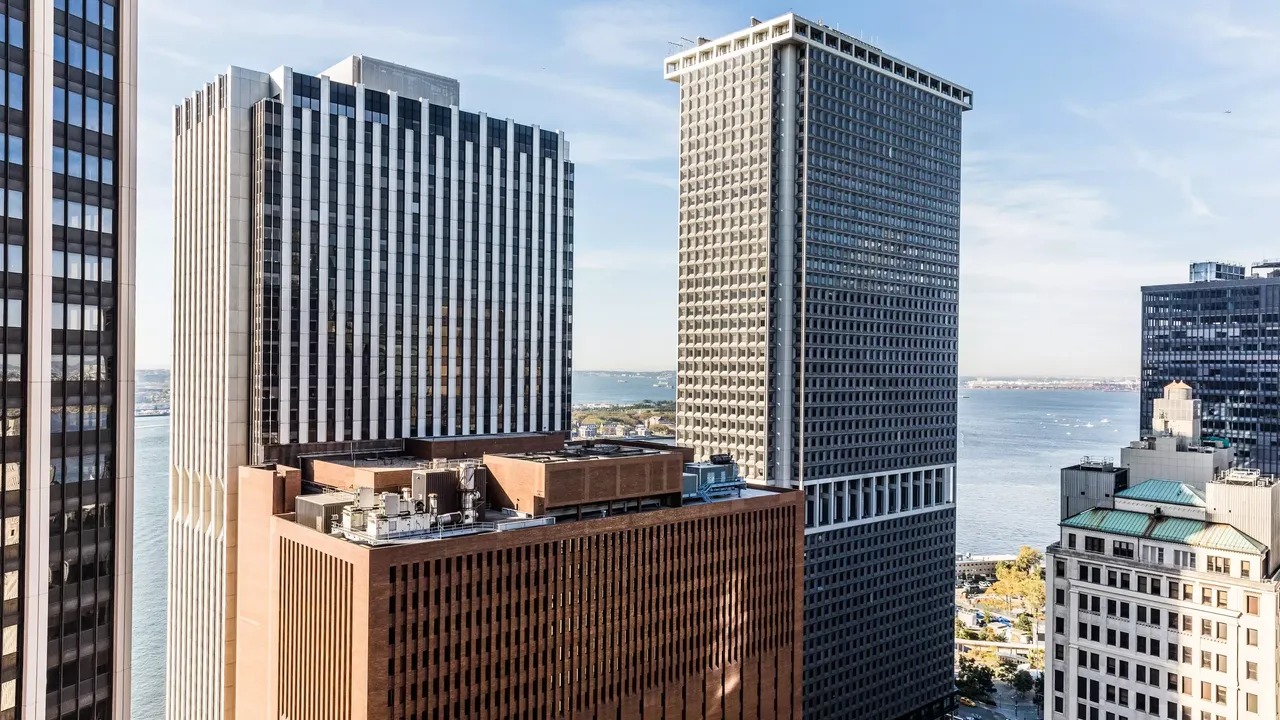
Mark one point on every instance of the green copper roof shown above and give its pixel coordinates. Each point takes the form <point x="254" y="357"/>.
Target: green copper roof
<point x="1121" y="522"/>
<point x="1164" y="491"/>
<point x="1219" y="536"/>
<point x="1198" y="533"/>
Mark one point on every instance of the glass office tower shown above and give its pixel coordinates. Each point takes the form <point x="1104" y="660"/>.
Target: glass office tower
<point x="819" y="230"/>
<point x="373" y="264"/>
<point x="1221" y="337"/>
<point x="68" y="205"/>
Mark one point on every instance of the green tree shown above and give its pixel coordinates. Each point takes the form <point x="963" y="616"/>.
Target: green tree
<point x="1023" y="683"/>
<point x="1036" y="660"/>
<point x="1006" y="670"/>
<point x="974" y="679"/>
<point x="964" y="632"/>
<point x="1023" y="624"/>
<point x="1039" y="690"/>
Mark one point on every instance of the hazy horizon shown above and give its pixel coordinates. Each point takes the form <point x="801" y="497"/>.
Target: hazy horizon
<point x="1085" y="174"/>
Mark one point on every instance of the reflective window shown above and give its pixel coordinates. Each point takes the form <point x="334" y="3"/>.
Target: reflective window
<point x="91" y="114"/>
<point x="14" y="36"/>
<point x="75" y="109"/>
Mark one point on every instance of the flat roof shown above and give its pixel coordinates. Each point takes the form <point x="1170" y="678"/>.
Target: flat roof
<point x="579" y="453"/>
<point x="495" y="520"/>
<point x="393" y="462"/>
<point x="1212" y="284"/>
<point x="795" y="28"/>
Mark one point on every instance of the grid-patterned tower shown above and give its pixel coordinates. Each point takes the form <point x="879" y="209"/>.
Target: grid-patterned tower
<point x="68" y="108"/>
<point x="1220" y="333"/>
<point x="357" y="261"/>
<point x="819" y="236"/>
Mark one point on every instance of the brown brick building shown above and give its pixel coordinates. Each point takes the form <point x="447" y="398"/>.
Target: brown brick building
<point x="653" y="605"/>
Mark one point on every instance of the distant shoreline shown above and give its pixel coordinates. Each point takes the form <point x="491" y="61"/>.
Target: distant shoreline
<point x="1050" y="388"/>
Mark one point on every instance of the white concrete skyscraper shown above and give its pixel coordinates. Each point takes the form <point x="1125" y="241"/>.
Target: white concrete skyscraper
<point x="1163" y="593"/>
<point x="357" y="261"/>
<point x="68" y="109"/>
<point x="1164" y="605"/>
<point x="819" y="220"/>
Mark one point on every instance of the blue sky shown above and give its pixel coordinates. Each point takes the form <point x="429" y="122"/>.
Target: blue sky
<point x="1099" y="156"/>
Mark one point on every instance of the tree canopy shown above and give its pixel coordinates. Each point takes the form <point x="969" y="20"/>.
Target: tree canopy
<point x="974" y="679"/>
<point x="1019" y="580"/>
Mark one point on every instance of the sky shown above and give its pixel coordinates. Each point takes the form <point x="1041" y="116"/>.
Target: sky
<point x="1110" y="144"/>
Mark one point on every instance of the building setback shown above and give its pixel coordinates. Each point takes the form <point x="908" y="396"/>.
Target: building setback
<point x="689" y="609"/>
<point x="819" y="236"/>
<point x="68" y="110"/>
<point x="356" y="261"/>
<point x="1223" y="337"/>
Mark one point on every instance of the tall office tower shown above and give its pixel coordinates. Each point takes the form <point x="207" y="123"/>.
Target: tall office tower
<point x="591" y="583"/>
<point x="68" y="105"/>
<point x="1165" y="605"/>
<point x="357" y="261"/>
<point x="1222" y="337"/>
<point x="819" y="223"/>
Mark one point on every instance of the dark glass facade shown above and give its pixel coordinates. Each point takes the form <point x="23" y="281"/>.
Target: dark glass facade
<point x="84" y="351"/>
<point x="392" y="242"/>
<point x="16" y="132"/>
<point x="882" y="225"/>
<point x="1223" y="339"/>
<point x="880" y="619"/>
<point x="881" y="219"/>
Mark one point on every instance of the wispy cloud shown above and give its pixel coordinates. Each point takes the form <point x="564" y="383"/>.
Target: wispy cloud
<point x="250" y="20"/>
<point x="632" y="34"/>
<point x="1164" y="167"/>
<point x="1046" y="272"/>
